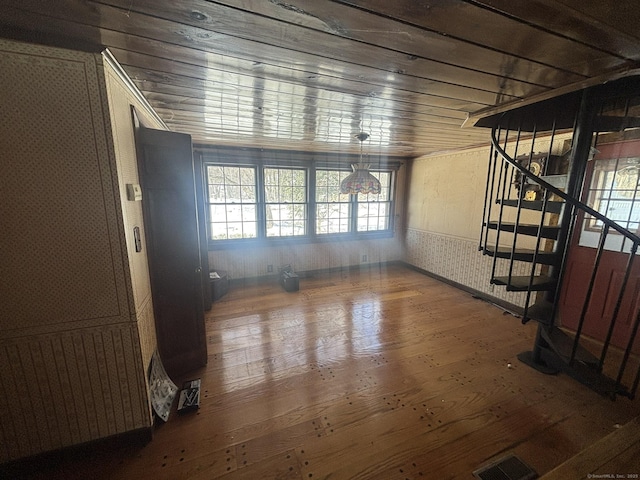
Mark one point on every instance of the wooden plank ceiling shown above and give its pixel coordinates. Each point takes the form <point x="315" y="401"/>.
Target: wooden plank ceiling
<point x="310" y="74"/>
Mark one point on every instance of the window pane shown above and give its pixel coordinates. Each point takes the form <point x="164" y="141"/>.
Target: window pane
<point x="248" y="193"/>
<point x="271" y="193"/>
<point x="321" y="178"/>
<point x="219" y="231"/>
<point x="231" y="175"/>
<point x="217" y="213"/>
<point x="298" y="177"/>
<point x="299" y="194"/>
<point x="332" y="218"/>
<point x="249" y="213"/>
<point x="233" y="194"/>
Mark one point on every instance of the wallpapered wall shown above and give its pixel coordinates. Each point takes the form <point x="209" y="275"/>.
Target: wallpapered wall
<point x="71" y="366"/>
<point x="444" y="218"/>
<point x="120" y="100"/>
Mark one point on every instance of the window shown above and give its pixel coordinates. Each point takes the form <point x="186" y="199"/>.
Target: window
<point x="285" y="202"/>
<point x="300" y="200"/>
<point x="232" y="202"/>
<point x="374" y="210"/>
<point x="333" y="209"/>
<point x="614" y="192"/>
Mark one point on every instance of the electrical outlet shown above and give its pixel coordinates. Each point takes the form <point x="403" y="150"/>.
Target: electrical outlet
<point x="364" y="258"/>
<point x="269" y="268"/>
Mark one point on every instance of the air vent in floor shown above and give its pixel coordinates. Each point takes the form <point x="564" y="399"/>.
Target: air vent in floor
<point x="507" y="468"/>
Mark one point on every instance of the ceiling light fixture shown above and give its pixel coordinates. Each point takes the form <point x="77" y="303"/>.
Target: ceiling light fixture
<point x="361" y="180"/>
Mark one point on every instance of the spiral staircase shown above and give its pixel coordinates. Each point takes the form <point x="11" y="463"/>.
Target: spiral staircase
<point x="532" y="208"/>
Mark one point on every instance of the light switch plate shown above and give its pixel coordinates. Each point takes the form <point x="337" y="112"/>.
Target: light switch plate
<point x="134" y="192"/>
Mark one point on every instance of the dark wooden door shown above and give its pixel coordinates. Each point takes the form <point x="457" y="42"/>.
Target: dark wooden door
<point x="173" y="243"/>
<point x="610" y="275"/>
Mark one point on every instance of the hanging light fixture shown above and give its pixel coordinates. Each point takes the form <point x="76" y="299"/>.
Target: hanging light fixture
<point x="361" y="180"/>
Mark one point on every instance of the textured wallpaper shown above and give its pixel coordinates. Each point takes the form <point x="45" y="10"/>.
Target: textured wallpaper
<point x="70" y="342"/>
<point x="459" y="260"/>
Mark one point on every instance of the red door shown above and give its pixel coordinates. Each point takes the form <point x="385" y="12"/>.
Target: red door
<point x="613" y="179"/>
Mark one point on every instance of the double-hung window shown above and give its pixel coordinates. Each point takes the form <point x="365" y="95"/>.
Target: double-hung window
<point x="248" y="201"/>
<point x="285" y="193"/>
<point x="233" y="204"/>
<point x="374" y="210"/>
<point x="340" y="213"/>
<point x="333" y="209"/>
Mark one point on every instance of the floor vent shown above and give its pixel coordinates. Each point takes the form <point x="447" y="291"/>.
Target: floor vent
<point x="507" y="468"/>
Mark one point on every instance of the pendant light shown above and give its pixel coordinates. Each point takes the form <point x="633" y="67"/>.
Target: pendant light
<point x="361" y="180"/>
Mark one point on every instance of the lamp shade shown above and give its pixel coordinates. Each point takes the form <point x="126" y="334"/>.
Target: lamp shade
<point x="361" y="180"/>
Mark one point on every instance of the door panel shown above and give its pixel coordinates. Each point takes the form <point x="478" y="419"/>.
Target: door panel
<point x="610" y="274"/>
<point x="173" y="243"/>
<point x="604" y="297"/>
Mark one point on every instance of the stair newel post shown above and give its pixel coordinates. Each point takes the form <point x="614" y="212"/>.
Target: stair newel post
<point x="558" y="273"/>
<point x="580" y="149"/>
<point x="581" y="144"/>
<point x="538" y="344"/>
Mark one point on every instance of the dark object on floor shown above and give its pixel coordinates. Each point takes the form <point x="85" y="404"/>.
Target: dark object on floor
<point x="507" y="468"/>
<point x="288" y="279"/>
<point x="219" y="280"/>
<point x="189" y="396"/>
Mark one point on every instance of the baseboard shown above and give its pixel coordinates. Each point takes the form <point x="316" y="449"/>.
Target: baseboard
<point x="507" y="306"/>
<point x="27" y="467"/>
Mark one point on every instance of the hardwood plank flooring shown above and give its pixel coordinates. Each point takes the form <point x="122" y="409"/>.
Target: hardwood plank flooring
<point x="379" y="373"/>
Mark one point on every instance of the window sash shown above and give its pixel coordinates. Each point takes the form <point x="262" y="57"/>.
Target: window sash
<point x="289" y="202"/>
<point x="614" y="193"/>
<point x="285" y="206"/>
<point x="232" y="202"/>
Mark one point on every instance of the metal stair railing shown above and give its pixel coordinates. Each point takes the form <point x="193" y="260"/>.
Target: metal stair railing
<point x="502" y="164"/>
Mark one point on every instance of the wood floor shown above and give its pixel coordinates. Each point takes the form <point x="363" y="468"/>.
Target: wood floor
<point x="382" y="373"/>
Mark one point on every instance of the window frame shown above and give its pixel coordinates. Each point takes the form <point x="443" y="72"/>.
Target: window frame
<point x="262" y="188"/>
<point x="600" y="197"/>
<point x="209" y="204"/>
<point x="311" y="165"/>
